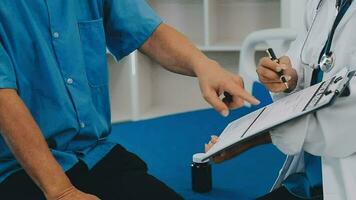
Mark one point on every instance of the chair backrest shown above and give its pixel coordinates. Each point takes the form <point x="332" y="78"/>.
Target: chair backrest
<point x="279" y="39"/>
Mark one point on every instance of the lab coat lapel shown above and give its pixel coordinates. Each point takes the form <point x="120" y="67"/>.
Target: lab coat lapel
<point x="308" y="74"/>
<point x="348" y="15"/>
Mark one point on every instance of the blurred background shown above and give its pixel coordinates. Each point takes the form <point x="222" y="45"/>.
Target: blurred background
<point x="162" y="117"/>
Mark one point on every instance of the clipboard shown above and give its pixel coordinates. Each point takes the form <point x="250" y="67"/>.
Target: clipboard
<point x="293" y="106"/>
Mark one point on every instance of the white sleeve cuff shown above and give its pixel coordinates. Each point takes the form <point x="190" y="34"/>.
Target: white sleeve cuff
<point x="289" y="138"/>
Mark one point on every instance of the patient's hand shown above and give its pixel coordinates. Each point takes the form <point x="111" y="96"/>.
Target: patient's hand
<point x="237" y="149"/>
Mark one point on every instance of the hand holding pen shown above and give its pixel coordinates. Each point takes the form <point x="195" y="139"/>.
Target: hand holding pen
<point x="277" y="75"/>
<point x="282" y="77"/>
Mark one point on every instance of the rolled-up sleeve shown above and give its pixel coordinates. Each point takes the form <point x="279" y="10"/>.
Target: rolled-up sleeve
<point x="7" y="73"/>
<point x="128" y="24"/>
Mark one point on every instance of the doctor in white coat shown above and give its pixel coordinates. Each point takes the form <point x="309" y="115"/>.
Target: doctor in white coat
<point x="328" y="135"/>
<point x="331" y="132"/>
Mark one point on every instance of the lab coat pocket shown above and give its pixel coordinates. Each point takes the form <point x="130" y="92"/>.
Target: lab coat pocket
<point x="92" y="37"/>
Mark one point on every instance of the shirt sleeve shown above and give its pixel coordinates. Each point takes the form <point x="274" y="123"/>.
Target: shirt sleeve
<point x="7" y="73"/>
<point x="128" y="24"/>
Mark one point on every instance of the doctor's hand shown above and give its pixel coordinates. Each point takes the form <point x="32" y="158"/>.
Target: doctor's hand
<point x="237" y="149"/>
<point x="215" y="80"/>
<point x="267" y="72"/>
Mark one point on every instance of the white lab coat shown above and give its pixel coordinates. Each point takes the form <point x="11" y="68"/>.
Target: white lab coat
<point x="331" y="132"/>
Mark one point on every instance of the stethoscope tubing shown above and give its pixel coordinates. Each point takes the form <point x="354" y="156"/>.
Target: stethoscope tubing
<point x="326" y="50"/>
<point x="320" y="4"/>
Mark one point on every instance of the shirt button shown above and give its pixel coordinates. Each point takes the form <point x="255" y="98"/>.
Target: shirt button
<point x="70" y="81"/>
<point x="82" y="125"/>
<point x="56" y="35"/>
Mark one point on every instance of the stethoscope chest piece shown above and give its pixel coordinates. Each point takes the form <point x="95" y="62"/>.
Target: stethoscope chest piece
<point x="327" y="62"/>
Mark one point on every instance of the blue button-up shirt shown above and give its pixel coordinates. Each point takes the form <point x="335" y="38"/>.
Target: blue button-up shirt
<point x="53" y="52"/>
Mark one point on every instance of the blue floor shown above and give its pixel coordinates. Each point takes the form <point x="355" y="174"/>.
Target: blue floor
<point x="168" y="143"/>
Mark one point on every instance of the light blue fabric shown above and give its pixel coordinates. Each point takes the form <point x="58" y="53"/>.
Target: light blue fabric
<point x="53" y="53"/>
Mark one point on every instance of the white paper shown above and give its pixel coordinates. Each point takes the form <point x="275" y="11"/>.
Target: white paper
<point x="234" y="131"/>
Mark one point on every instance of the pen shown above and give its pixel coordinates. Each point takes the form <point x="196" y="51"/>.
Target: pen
<point x="274" y="58"/>
<point x="228" y="98"/>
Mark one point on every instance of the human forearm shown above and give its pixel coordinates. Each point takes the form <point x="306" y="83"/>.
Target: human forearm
<point x="24" y="138"/>
<point x="177" y="54"/>
<point x="174" y="51"/>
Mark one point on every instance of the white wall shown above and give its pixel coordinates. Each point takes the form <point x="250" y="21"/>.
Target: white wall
<point x="140" y="89"/>
<point x="292" y="13"/>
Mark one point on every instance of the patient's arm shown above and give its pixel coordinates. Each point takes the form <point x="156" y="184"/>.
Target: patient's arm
<point x="237" y="149"/>
<point x="28" y="145"/>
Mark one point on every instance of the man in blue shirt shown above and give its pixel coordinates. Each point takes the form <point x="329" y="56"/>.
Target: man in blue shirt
<point x="54" y="105"/>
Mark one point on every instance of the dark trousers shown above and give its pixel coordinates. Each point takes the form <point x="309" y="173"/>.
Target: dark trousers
<point x="120" y="175"/>
<point x="283" y="194"/>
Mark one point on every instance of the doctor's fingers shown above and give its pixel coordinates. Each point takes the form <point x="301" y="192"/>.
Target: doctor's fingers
<point x="267" y="75"/>
<point x="276" y="87"/>
<point x="285" y="60"/>
<point x="271" y="80"/>
<point x="213" y="140"/>
<point x="270" y="64"/>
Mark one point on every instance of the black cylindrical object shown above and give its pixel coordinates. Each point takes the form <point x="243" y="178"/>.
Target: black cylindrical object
<point x="201" y="175"/>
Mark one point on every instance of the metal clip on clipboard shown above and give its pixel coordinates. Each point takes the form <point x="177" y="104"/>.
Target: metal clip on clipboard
<point x="346" y="92"/>
<point x="342" y="89"/>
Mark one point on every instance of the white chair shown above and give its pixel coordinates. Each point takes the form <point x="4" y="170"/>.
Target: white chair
<point x="279" y="39"/>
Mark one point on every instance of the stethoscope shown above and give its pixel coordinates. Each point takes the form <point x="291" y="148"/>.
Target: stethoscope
<point x="326" y="60"/>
